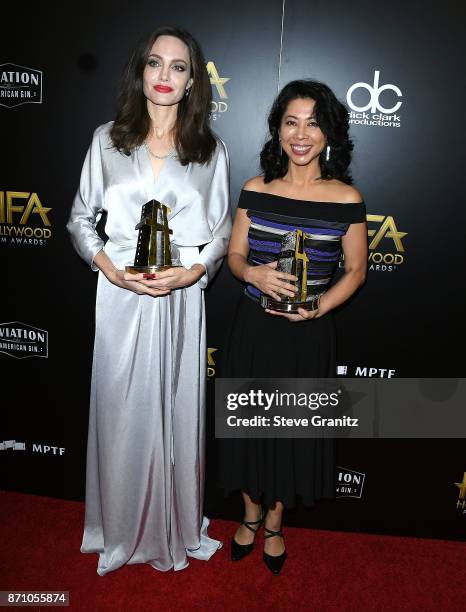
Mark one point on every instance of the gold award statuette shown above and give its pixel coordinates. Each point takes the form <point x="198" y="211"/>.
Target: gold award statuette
<point x="293" y="259"/>
<point x="154" y="252"/>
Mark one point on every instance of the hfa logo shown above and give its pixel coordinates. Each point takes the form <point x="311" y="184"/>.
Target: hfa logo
<point x="19" y="85"/>
<point x="218" y="83"/>
<point x="23" y="219"/>
<point x="373" y="112"/>
<point x="210" y="362"/>
<point x="461" y="503"/>
<point x="385" y="260"/>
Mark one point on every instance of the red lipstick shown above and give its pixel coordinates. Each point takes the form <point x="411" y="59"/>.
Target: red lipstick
<point x="163" y="88"/>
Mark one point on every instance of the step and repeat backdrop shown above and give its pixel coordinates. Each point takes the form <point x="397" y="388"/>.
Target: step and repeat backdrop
<point x="398" y="69"/>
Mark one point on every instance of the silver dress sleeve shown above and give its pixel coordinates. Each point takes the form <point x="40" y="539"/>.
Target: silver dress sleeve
<point x="88" y="205"/>
<point x="219" y="217"/>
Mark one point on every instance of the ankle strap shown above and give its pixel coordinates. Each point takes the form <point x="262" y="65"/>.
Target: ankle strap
<point x="249" y="523"/>
<point x="271" y="534"/>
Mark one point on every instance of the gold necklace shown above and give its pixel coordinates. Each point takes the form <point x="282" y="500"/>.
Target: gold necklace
<point x="169" y="154"/>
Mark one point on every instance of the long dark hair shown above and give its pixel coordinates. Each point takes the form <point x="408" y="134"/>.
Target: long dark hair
<point x="332" y="118"/>
<point x="194" y="140"/>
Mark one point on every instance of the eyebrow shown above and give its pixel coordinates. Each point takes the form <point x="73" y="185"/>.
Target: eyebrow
<point x="173" y="60"/>
<point x="294" y="117"/>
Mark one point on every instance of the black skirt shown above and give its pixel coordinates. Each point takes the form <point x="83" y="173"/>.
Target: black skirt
<point x="278" y="469"/>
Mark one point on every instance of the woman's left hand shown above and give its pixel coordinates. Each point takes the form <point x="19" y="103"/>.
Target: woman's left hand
<point x="175" y="278"/>
<point x="302" y="315"/>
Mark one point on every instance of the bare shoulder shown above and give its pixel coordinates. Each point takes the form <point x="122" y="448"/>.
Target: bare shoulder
<point x="255" y="184"/>
<point x="346" y="194"/>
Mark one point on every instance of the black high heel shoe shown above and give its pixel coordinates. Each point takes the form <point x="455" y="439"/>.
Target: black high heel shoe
<point x="274" y="564"/>
<point x="239" y="551"/>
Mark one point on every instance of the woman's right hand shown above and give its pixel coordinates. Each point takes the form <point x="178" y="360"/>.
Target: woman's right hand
<point x="132" y="282"/>
<point x="271" y="282"/>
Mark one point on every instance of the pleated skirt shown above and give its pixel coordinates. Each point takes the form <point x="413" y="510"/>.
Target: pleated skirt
<point x="260" y="345"/>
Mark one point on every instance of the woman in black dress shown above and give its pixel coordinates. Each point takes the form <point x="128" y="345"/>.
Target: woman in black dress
<point x="305" y="184"/>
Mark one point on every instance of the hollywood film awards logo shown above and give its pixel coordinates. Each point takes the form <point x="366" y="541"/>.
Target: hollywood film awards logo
<point x="386" y="250"/>
<point x="24" y="221"/>
<point x="43" y="449"/>
<point x="349" y="483"/>
<point x="219" y="104"/>
<point x="365" y="372"/>
<point x="461" y="502"/>
<point x="19" y="85"/>
<point x="210" y="363"/>
<point x="20" y="340"/>
<point x="367" y="102"/>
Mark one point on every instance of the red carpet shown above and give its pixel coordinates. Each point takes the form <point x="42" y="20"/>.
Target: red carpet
<point x="325" y="570"/>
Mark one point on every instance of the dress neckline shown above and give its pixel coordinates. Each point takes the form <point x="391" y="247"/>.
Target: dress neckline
<point x="274" y="195"/>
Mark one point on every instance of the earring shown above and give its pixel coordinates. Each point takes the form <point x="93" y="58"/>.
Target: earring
<point x="280" y="147"/>
<point x="327" y="153"/>
<point x="186" y="91"/>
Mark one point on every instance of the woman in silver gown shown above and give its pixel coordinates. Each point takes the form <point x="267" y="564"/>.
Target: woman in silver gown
<point x="145" y="458"/>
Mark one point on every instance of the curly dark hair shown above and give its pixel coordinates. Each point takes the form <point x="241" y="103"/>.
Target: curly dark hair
<point x="194" y="140"/>
<point x="332" y="118"/>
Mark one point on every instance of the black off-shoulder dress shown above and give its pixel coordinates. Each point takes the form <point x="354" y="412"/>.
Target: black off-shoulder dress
<point x="264" y="346"/>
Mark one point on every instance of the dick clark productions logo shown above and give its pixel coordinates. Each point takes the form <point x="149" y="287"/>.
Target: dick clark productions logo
<point x="373" y="112"/>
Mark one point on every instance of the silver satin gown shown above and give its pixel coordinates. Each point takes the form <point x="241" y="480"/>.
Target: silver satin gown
<point x="145" y="457"/>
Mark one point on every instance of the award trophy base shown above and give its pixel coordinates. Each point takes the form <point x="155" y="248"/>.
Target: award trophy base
<point x="149" y="269"/>
<point x="154" y="251"/>
<point x="291" y="307"/>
